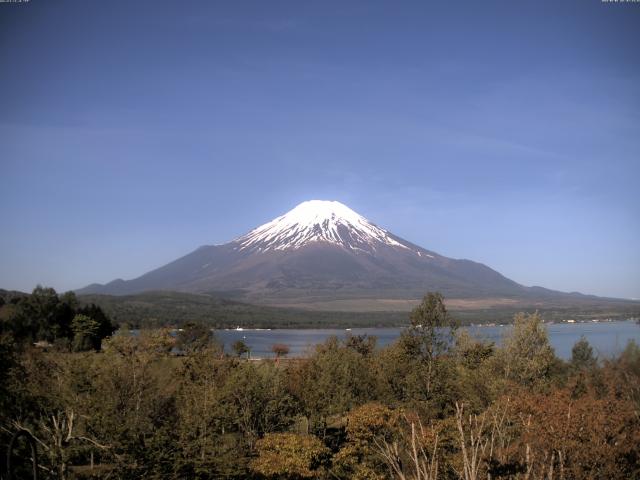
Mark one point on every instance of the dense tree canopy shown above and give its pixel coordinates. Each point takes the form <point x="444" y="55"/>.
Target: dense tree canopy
<point x="45" y="316"/>
<point x="440" y="405"/>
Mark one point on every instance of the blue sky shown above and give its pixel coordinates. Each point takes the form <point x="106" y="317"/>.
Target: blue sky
<point x="504" y="132"/>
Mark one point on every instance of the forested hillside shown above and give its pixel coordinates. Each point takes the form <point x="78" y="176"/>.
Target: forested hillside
<point x="162" y="309"/>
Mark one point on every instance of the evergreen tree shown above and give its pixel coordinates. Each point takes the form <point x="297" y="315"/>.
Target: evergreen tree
<point x="240" y="348"/>
<point x="582" y="357"/>
<point x="85" y="333"/>
<point x="105" y="326"/>
<point x="194" y="337"/>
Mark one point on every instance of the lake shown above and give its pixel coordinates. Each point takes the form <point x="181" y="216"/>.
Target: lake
<point x="606" y="338"/>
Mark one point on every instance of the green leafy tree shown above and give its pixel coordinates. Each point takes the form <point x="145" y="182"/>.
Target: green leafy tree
<point x="582" y="357"/>
<point x="13" y="323"/>
<point x="85" y="333"/>
<point x="630" y="358"/>
<point x="194" y="337"/>
<point x="474" y="380"/>
<point x="258" y="399"/>
<point x="363" y="344"/>
<point x="135" y="404"/>
<point x="333" y="380"/>
<point x="208" y="438"/>
<point x="528" y="358"/>
<point x="70" y="299"/>
<point x="472" y="352"/>
<point x="105" y="326"/>
<point x="40" y="315"/>
<point x="44" y="315"/>
<point x="240" y="348"/>
<point x="430" y="335"/>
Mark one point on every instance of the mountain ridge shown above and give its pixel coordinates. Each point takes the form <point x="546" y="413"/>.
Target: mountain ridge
<point x="322" y="250"/>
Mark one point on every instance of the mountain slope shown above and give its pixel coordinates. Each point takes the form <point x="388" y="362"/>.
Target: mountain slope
<point x="321" y="250"/>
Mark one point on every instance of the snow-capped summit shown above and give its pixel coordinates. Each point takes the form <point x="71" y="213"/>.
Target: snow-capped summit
<point x="317" y="221"/>
<point x="319" y="250"/>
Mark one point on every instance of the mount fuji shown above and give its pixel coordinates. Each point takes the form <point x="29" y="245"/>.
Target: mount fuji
<point x="322" y="251"/>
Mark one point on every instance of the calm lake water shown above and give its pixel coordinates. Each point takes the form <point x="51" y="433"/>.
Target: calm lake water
<point x="606" y="338"/>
